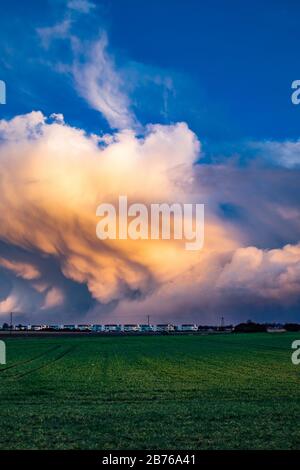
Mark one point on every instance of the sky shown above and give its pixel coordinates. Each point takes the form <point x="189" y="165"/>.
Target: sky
<point x="162" y="101"/>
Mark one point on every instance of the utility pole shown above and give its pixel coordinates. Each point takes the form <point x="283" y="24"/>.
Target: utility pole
<point x="148" y="319"/>
<point x="222" y="323"/>
<point x="11" y="322"/>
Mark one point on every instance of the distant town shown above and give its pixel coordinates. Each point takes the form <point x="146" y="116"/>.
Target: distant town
<point x="162" y="328"/>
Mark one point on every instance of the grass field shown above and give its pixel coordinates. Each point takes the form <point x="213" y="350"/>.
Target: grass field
<point x="189" y="392"/>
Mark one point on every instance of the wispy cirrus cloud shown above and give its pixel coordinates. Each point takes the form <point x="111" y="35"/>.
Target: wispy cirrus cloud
<point x="57" y="31"/>
<point x="92" y="68"/>
<point x="97" y="80"/>
<point x="82" y="6"/>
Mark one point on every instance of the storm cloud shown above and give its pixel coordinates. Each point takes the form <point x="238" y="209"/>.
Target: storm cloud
<point x="52" y="178"/>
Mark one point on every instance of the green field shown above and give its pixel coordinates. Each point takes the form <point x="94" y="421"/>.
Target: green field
<point x="163" y="392"/>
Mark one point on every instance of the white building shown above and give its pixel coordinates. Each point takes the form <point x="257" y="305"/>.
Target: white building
<point x="69" y="327"/>
<point x="36" y="327"/>
<point x="189" y="327"/>
<point x="131" y="327"/>
<point x="55" y="327"/>
<point x="165" y="327"/>
<point x="110" y="328"/>
<point x="98" y="328"/>
<point x="146" y="328"/>
<point x="20" y="327"/>
<point x="84" y="327"/>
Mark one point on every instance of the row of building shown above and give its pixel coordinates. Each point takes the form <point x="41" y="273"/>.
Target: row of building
<point x="117" y="328"/>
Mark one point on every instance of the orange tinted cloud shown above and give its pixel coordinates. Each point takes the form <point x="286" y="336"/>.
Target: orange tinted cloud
<point x="53" y="177"/>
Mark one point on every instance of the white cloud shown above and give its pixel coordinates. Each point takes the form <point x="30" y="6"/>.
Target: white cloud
<point x="82" y="6"/>
<point x="95" y="75"/>
<point x="266" y="273"/>
<point x="285" y="153"/>
<point x="11" y="303"/>
<point x="59" y="30"/>
<point x="54" y="214"/>
<point x="22" y="127"/>
<point x="54" y="298"/>
<point x="98" y="81"/>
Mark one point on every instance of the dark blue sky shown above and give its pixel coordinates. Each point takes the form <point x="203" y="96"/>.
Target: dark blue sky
<point x="231" y="63"/>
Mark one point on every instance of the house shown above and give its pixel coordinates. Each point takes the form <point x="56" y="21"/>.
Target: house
<point x="97" y="328"/>
<point x="20" y="327"/>
<point x="84" y="327"/>
<point x="147" y="328"/>
<point x="276" y="330"/>
<point x="36" y="327"/>
<point x="189" y="327"/>
<point x="165" y="327"/>
<point x="110" y="328"/>
<point x="131" y="327"/>
<point x="69" y="327"/>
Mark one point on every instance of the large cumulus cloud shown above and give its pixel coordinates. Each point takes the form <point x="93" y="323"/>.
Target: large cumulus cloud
<point x="53" y="176"/>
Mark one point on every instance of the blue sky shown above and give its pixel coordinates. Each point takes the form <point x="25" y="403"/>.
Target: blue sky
<point x="231" y="65"/>
<point x="201" y="89"/>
